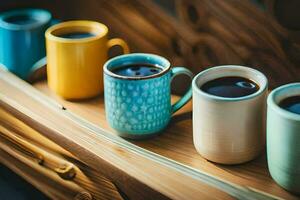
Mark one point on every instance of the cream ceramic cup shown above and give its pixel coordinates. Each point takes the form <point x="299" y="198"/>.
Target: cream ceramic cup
<point x="229" y="130"/>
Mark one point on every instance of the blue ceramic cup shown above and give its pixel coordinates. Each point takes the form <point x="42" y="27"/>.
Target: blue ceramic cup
<point x="138" y="107"/>
<point x="283" y="139"/>
<point x="22" y="40"/>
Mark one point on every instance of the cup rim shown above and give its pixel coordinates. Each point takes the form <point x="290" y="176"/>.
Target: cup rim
<point x="276" y="92"/>
<point x="76" y="23"/>
<point x="44" y="17"/>
<point x="262" y="88"/>
<point x="110" y="73"/>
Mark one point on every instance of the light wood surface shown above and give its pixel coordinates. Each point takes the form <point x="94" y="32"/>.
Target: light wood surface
<point x="135" y="171"/>
<point x="180" y="174"/>
<point x="44" y="157"/>
<point x="176" y="143"/>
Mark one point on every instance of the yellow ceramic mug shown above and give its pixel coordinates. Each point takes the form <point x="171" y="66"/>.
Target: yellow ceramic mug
<point x="76" y="52"/>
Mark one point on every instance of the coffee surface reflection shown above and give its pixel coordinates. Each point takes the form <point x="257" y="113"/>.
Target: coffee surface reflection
<point x="291" y="104"/>
<point x="230" y="87"/>
<point x="137" y="70"/>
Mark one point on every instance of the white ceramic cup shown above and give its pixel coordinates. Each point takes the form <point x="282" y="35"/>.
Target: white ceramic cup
<point x="229" y="130"/>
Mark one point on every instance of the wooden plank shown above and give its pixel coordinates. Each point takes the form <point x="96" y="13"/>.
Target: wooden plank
<point x="134" y="189"/>
<point x="133" y="169"/>
<point x="117" y="159"/>
<point x="43" y="154"/>
<point x="176" y="143"/>
<point x="42" y="178"/>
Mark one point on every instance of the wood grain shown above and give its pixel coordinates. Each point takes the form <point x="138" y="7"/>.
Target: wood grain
<point x="248" y="31"/>
<point x="286" y="15"/>
<point x="25" y="141"/>
<point x="136" y="171"/>
<point x="241" y="31"/>
<point x="176" y="143"/>
<point x="54" y="187"/>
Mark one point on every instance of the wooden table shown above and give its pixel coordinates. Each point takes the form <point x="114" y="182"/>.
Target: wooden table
<point x="166" y="166"/>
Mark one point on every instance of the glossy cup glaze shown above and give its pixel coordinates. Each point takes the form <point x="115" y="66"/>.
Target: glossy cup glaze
<point x="138" y="107"/>
<point x="229" y="130"/>
<point x="74" y="66"/>
<point x="23" y="45"/>
<point x="283" y="139"/>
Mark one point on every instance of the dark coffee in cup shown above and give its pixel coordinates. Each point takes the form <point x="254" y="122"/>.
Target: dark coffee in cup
<point x="77" y="35"/>
<point x="291" y="104"/>
<point x="137" y="70"/>
<point x="21" y="19"/>
<point x="230" y="87"/>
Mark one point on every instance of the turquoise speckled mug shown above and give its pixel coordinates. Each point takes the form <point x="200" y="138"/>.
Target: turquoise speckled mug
<point x="138" y="107"/>
<point x="283" y="139"/>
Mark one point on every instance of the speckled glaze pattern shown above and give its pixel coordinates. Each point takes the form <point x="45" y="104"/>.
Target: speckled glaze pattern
<point x="138" y="106"/>
<point x="141" y="107"/>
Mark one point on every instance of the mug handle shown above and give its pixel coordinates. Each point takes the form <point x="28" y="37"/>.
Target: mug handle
<point x="118" y="42"/>
<point x="37" y="71"/>
<point x="188" y="95"/>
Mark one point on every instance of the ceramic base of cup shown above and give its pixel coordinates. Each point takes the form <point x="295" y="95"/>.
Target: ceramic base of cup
<point x="231" y="158"/>
<point x="289" y="181"/>
<point x="138" y="137"/>
<point x="78" y="97"/>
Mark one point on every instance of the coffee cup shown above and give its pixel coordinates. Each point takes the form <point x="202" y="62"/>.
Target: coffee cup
<point x="138" y="95"/>
<point x="76" y="52"/>
<point x="22" y="41"/>
<point x="283" y="136"/>
<point x="228" y="121"/>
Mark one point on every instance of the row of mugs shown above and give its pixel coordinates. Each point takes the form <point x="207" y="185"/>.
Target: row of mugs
<point x="70" y="47"/>
<point x="226" y="129"/>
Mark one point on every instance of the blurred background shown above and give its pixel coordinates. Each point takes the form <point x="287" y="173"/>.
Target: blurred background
<point x="264" y="34"/>
<point x="198" y="34"/>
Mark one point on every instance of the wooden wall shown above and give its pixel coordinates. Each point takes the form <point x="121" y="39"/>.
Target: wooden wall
<point x="198" y="33"/>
